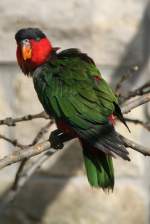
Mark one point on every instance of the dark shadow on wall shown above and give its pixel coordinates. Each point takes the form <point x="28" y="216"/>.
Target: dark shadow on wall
<point x="137" y="53"/>
<point x="42" y="189"/>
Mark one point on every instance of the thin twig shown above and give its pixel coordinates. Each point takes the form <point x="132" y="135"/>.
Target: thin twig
<point x="146" y="125"/>
<point x="41" y="132"/>
<point x="14" y="142"/>
<point x="37" y="138"/>
<point x="39" y="135"/>
<point x="12" y="121"/>
<point x="137" y="92"/>
<point x="23" y="176"/>
<point x="18" y="174"/>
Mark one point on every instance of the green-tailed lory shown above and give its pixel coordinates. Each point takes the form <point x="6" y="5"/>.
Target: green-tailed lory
<point x="72" y="90"/>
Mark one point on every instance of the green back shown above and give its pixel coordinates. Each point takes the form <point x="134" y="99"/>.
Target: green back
<point x="68" y="89"/>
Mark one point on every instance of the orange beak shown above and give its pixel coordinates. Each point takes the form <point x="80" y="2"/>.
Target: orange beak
<point x="26" y="51"/>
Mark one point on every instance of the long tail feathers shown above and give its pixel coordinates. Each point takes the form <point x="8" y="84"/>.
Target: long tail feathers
<point x="111" y="144"/>
<point x="98" y="158"/>
<point x="99" y="168"/>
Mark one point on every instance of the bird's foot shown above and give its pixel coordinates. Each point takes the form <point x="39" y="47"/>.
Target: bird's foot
<point x="56" y="139"/>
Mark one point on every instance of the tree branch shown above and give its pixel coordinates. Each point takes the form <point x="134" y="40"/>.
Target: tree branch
<point x="29" y="152"/>
<point x="139" y="148"/>
<point x="130" y="105"/>
<point x="12" y="121"/>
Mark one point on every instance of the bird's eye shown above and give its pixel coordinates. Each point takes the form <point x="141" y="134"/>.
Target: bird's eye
<point x="26" y="41"/>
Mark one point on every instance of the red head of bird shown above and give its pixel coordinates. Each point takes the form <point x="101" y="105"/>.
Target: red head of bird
<point x="33" y="49"/>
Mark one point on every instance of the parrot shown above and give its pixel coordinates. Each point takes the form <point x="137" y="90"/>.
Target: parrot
<point x="72" y="91"/>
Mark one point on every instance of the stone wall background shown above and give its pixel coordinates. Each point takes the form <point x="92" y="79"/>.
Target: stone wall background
<point x="116" y="34"/>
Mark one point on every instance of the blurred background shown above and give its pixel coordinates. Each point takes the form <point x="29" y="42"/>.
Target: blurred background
<point x="116" y="34"/>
